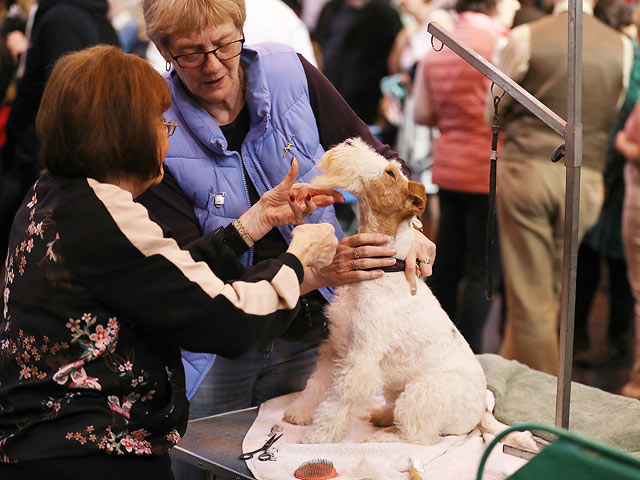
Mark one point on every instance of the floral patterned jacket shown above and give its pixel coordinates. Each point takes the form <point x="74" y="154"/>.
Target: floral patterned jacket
<point x="98" y="302"/>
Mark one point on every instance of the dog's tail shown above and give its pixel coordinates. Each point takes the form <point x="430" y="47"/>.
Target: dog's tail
<point x="489" y="424"/>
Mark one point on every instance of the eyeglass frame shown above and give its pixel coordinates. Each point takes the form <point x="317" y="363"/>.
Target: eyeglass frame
<point x="170" y="126"/>
<point x="206" y="54"/>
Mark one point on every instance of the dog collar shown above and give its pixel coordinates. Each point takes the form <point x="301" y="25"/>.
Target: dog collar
<point x="396" y="267"/>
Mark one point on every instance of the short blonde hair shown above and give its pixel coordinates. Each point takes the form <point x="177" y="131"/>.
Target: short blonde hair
<point x="176" y="17"/>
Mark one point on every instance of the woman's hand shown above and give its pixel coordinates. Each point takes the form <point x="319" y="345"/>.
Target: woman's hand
<point x="422" y="254"/>
<point x="353" y="257"/>
<point x="314" y="244"/>
<point x="286" y="204"/>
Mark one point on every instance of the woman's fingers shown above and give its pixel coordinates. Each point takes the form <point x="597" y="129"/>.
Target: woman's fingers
<point x="323" y="200"/>
<point x="290" y="178"/>
<point x="344" y="272"/>
<point x="410" y="271"/>
<point x="367" y="263"/>
<point x="327" y="192"/>
<point x="360" y="239"/>
<point x="301" y="190"/>
<point x="368" y="251"/>
<point x="310" y="206"/>
<point x="297" y="209"/>
<point x="427" y="255"/>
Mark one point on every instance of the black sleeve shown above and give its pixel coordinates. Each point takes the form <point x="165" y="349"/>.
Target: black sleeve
<point x="169" y="206"/>
<point x="336" y="120"/>
<point x="122" y="258"/>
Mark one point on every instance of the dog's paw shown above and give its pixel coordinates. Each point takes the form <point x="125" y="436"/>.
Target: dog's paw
<point x="297" y="416"/>
<point x="381" y="416"/>
<point x="524" y="439"/>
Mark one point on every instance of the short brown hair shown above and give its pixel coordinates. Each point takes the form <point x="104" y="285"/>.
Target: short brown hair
<point x="98" y="116"/>
<point x="615" y="13"/>
<point x="176" y="17"/>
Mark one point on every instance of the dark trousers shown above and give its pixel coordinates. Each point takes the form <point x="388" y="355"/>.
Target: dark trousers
<point x="459" y="272"/>
<point x="621" y="301"/>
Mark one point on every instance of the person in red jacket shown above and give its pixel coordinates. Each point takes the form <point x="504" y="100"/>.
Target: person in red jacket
<point x="451" y="95"/>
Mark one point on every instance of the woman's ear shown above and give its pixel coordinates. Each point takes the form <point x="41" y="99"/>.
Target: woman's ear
<point x="164" y="51"/>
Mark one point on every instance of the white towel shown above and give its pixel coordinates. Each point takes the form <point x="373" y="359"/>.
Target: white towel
<point x="454" y="458"/>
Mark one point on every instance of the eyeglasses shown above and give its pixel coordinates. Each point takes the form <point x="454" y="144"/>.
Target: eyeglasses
<point x="170" y="126"/>
<point x="225" y="52"/>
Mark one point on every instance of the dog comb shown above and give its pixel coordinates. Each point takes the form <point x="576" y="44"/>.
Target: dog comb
<point x="316" y="469"/>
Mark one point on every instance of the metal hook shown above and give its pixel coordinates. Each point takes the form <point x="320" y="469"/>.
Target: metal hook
<point x="558" y="153"/>
<point x="434" y="47"/>
<point x="494" y="95"/>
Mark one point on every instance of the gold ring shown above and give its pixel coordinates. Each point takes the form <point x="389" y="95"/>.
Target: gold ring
<point x="354" y="265"/>
<point x="355" y="254"/>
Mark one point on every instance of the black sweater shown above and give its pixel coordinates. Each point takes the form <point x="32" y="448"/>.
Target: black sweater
<point x="98" y="305"/>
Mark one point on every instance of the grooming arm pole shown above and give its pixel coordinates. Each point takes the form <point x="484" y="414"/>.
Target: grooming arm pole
<point x="573" y="164"/>
<point x="572" y="134"/>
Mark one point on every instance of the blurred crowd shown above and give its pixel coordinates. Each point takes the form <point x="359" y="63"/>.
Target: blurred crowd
<point x="437" y="112"/>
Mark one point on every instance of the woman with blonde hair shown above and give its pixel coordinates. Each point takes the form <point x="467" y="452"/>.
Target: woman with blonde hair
<point x="98" y="302"/>
<point x="242" y="111"/>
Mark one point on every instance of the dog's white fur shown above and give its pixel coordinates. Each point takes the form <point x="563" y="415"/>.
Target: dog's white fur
<point x="384" y="339"/>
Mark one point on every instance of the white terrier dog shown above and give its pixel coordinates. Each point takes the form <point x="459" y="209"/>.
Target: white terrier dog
<point x="384" y="339"/>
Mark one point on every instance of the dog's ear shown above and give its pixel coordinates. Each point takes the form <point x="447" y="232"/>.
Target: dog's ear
<point x="416" y="198"/>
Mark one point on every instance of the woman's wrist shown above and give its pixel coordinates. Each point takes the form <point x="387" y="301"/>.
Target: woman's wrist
<point x="312" y="281"/>
<point x="248" y="239"/>
<point x="253" y="223"/>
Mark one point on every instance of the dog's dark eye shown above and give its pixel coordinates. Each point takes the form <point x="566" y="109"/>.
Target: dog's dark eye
<point x="390" y="173"/>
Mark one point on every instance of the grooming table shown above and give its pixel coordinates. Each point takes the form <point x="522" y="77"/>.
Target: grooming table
<point x="214" y="443"/>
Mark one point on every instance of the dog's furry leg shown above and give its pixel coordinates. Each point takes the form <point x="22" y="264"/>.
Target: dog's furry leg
<point x="417" y="416"/>
<point x="357" y="379"/>
<point x="490" y="425"/>
<point x="301" y="410"/>
<point x="383" y="416"/>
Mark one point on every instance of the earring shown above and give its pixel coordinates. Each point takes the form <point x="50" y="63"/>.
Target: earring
<point x="168" y="66"/>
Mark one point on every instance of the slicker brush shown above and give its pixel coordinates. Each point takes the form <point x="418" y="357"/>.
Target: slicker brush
<point x="316" y="469"/>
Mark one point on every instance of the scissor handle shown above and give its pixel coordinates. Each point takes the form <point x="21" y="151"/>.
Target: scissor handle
<point x="263" y="449"/>
<point x="248" y="455"/>
<point x="264" y="456"/>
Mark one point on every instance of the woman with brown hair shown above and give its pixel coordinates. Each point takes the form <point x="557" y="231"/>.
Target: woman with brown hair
<point x="98" y="302"/>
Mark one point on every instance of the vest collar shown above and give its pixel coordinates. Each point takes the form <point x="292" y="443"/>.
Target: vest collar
<point x="203" y="126"/>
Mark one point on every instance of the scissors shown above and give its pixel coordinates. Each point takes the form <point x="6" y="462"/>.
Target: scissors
<point x="265" y="455"/>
